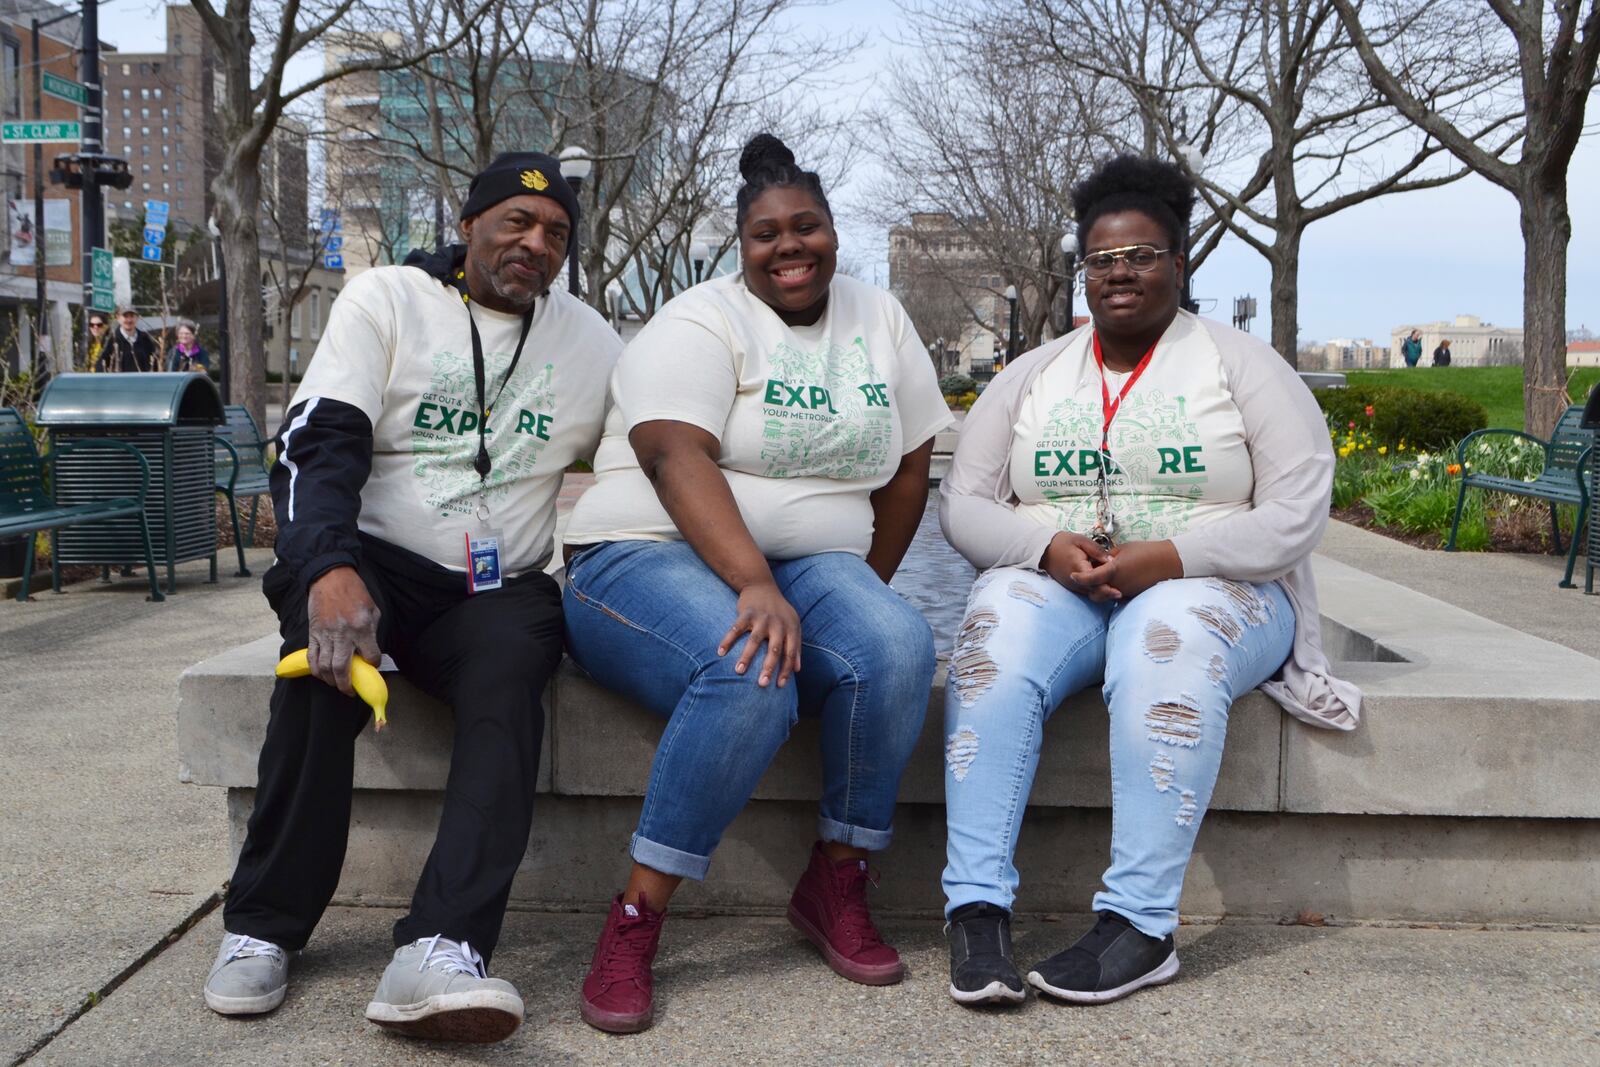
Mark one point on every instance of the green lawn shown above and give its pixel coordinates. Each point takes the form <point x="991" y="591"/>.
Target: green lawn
<point x="1498" y="389"/>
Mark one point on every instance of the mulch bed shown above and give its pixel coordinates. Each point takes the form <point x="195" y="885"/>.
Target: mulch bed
<point x="1524" y="530"/>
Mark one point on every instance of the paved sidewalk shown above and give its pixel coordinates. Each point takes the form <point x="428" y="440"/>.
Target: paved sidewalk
<point x="1513" y="589"/>
<point x="105" y="851"/>
<point x="107" y="854"/>
<point x="751" y="991"/>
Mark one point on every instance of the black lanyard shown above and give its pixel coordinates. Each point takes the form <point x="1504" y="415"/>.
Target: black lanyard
<point x="483" y="464"/>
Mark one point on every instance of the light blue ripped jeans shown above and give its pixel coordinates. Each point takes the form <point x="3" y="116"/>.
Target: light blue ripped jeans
<point x="1172" y="660"/>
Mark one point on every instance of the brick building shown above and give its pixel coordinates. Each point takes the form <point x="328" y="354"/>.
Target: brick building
<point x="160" y="113"/>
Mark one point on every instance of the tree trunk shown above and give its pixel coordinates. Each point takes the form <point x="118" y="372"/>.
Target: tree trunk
<point x="1546" y="232"/>
<point x="1285" y="308"/>
<point x="238" y="198"/>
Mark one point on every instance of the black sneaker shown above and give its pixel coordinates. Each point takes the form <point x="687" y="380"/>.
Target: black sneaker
<point x="1107" y="963"/>
<point x="981" y="969"/>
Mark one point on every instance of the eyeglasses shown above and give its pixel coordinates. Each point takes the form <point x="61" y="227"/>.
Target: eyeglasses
<point x="97" y="325"/>
<point x="1141" y="259"/>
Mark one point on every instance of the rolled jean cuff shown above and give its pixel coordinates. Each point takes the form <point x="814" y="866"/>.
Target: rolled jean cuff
<point x="667" y="860"/>
<point x="855" y="836"/>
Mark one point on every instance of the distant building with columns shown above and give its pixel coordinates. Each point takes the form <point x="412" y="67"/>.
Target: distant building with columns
<point x="1473" y="342"/>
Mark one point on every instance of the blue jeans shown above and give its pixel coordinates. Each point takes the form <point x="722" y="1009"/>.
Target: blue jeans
<point x="1172" y="659"/>
<point x="644" y="618"/>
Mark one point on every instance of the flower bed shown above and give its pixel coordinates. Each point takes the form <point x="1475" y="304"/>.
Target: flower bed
<point x="1411" y="493"/>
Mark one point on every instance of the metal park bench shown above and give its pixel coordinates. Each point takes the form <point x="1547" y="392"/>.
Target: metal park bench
<point x="242" y="470"/>
<point x="1566" y="456"/>
<point x="27" y="507"/>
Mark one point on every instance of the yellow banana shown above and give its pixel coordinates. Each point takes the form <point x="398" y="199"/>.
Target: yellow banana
<point x="369" y="684"/>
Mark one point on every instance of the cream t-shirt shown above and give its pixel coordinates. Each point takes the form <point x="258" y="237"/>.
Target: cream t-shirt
<point x="399" y="347"/>
<point x="1178" y="451"/>
<point x="810" y="420"/>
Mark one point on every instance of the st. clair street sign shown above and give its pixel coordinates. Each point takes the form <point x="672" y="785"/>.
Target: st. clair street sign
<point x="40" y="132"/>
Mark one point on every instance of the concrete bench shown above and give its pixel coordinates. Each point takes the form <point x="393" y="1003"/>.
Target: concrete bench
<point x="1467" y="793"/>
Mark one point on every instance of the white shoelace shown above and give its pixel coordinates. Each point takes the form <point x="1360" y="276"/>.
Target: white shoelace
<point x="242" y="945"/>
<point x="451" y="957"/>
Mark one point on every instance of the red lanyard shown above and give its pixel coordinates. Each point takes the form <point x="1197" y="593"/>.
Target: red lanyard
<point x="1109" y="407"/>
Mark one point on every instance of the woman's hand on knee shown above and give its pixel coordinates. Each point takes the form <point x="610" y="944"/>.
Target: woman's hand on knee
<point x="1081" y="566"/>
<point x="769" y="619"/>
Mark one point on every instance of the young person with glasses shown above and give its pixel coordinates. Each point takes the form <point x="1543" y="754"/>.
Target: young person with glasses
<point x="97" y="340"/>
<point x="1142" y="497"/>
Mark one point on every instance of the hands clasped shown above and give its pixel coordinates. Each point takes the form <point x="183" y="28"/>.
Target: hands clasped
<point x="1120" y="574"/>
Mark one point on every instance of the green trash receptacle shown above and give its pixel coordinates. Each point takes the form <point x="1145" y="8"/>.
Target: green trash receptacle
<point x="170" y="418"/>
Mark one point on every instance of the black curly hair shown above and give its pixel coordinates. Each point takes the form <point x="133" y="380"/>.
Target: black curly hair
<point x="767" y="162"/>
<point x="1152" y="187"/>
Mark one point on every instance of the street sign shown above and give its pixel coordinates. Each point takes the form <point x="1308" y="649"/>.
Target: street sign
<point x="330" y="220"/>
<point x="333" y="262"/>
<point x="155" y="212"/>
<point x="154" y="235"/>
<point x="65" y="89"/>
<point x="151" y="253"/>
<point x="40" y="132"/>
<point x="334" y="243"/>
<point x="102" y="276"/>
<point x="102" y="268"/>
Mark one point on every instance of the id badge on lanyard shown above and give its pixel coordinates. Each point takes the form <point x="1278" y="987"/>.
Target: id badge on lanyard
<point x="483" y="561"/>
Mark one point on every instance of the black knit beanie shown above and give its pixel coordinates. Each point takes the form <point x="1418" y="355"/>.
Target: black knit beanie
<point x="519" y="174"/>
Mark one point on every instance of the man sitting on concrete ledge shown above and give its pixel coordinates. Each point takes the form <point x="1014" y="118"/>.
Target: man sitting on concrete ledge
<point x="415" y="497"/>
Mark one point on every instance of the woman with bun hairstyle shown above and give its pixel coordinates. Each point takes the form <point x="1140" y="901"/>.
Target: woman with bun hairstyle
<point x="1141" y="497"/>
<point x="763" y="470"/>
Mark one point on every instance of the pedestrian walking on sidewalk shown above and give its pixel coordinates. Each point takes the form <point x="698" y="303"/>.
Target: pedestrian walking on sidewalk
<point x="764" y="468"/>
<point x="131" y="348"/>
<point x="187" y="354"/>
<point x="1411" y="348"/>
<point x="418" y="468"/>
<point x="1142" y="497"/>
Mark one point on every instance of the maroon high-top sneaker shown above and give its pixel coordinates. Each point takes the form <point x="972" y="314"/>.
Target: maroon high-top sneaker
<point x="829" y="906"/>
<point x="617" y="994"/>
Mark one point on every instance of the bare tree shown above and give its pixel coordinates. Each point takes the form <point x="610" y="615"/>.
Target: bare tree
<point x="990" y="156"/>
<point x="1554" y="47"/>
<point x="1280" y="87"/>
<point x="255" y="40"/>
<point x="662" y="95"/>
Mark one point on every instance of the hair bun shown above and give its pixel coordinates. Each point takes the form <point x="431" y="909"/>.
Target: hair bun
<point x="764" y="152"/>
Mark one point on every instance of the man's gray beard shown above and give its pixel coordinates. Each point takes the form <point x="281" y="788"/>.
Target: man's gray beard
<point x="514" y="300"/>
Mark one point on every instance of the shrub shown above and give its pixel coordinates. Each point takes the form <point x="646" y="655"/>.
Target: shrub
<point x="957" y="384"/>
<point x="1421" y="420"/>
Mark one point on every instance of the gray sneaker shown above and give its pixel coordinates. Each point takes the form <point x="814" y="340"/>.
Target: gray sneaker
<point x="250" y="976"/>
<point x="437" y="989"/>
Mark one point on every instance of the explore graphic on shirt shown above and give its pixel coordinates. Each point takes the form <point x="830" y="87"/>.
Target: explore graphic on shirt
<point x="825" y="416"/>
<point x="1177" y="451"/>
<point x="445" y="430"/>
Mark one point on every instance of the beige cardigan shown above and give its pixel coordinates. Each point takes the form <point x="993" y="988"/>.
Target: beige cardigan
<point x="1287" y="438"/>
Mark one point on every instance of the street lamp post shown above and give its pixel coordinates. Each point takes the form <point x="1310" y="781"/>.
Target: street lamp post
<point x="575" y="168"/>
<point x="614" y="304"/>
<point x="1069" y="254"/>
<point x="698" y="255"/>
<point x="1011" y="332"/>
<point x="1192" y="158"/>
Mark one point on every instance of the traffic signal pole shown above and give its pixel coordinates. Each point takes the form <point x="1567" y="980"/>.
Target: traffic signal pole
<point x="93" y="206"/>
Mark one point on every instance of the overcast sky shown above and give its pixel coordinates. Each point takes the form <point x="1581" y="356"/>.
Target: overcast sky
<point x="1419" y="257"/>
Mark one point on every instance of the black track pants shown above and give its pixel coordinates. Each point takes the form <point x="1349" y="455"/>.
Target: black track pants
<point x="488" y="657"/>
